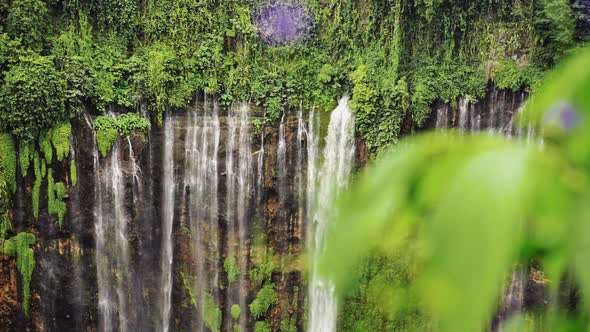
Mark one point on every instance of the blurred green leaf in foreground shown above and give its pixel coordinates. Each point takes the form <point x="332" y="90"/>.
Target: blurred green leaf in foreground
<point x="468" y="208"/>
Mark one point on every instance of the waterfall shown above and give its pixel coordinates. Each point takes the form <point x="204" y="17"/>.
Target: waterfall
<point x="301" y="136"/>
<point x="77" y="222"/>
<point x="259" y="170"/>
<point x="312" y="164"/>
<point x="334" y="175"/>
<point x="112" y="247"/>
<point x="147" y="222"/>
<point x="238" y="164"/>
<point x="168" y="185"/>
<point x="242" y="204"/>
<point x="495" y="109"/>
<point x="300" y="172"/>
<point x="475" y="118"/>
<point x="201" y="190"/>
<point x="442" y="116"/>
<point x="282" y="164"/>
<point x="134" y="167"/>
<point x="105" y="301"/>
<point x="463" y="122"/>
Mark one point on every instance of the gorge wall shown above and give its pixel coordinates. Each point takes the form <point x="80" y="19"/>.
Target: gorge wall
<point x="201" y="221"/>
<point x="213" y="200"/>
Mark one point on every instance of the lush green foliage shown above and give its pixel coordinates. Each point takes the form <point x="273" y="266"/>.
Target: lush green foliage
<point x="5" y="204"/>
<point x="73" y="172"/>
<point x="265" y="298"/>
<point x="20" y="246"/>
<point x="129" y="123"/>
<point x="109" y="128"/>
<point x="27" y="22"/>
<point x="289" y="325"/>
<point x="106" y="133"/>
<point x="60" y="139"/>
<point x="402" y="57"/>
<point x="56" y="138"/>
<point x="32" y="97"/>
<point x="45" y="145"/>
<point x="24" y="157"/>
<point x="396" y="57"/>
<point x="262" y="327"/>
<point x="231" y="268"/>
<point x="117" y="16"/>
<point x="8" y="160"/>
<point x="458" y="212"/>
<point x="381" y="279"/>
<point x="192" y="299"/>
<point x="263" y="266"/>
<point x="40" y="170"/>
<point x="55" y="195"/>
<point x="235" y="311"/>
<point x="212" y="315"/>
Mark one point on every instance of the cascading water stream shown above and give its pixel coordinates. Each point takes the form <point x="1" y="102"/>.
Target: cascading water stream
<point x="112" y="247"/>
<point x="104" y="297"/>
<point x="168" y="186"/>
<point x="463" y="122"/>
<point x="242" y="204"/>
<point x="260" y="169"/>
<point x="238" y="165"/>
<point x="147" y="223"/>
<point x="300" y="175"/>
<point x="442" y="117"/>
<point x="135" y="170"/>
<point x="334" y="173"/>
<point x="282" y="164"/>
<point x="201" y="190"/>
<point x="312" y="164"/>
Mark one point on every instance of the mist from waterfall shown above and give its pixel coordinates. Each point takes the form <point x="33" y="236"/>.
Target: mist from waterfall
<point x="334" y="175"/>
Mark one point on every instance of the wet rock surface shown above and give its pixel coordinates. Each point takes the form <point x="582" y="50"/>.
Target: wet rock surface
<point x="64" y="292"/>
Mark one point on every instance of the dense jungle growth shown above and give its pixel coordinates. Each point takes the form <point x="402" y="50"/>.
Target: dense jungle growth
<point x="61" y="60"/>
<point x="395" y="57"/>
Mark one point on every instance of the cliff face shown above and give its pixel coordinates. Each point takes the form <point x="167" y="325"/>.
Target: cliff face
<point x="64" y="292"/>
<point x="271" y="241"/>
